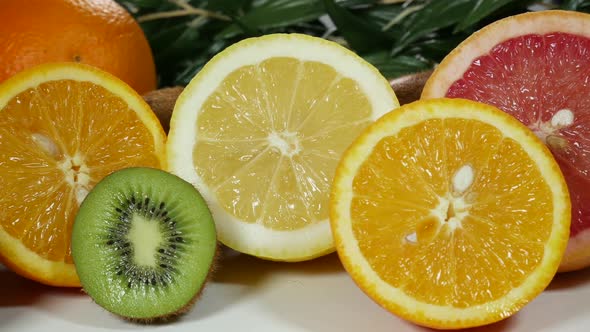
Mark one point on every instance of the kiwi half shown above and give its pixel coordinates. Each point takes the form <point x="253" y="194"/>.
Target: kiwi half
<point x="143" y="244"/>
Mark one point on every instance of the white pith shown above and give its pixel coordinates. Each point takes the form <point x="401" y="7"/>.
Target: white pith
<point x="255" y="238"/>
<point x="457" y="205"/>
<point x="286" y="142"/>
<point x="76" y="174"/>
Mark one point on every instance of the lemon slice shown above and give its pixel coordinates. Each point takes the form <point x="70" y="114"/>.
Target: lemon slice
<point x="259" y="131"/>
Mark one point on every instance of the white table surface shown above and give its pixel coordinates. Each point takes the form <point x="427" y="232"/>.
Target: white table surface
<point x="248" y="294"/>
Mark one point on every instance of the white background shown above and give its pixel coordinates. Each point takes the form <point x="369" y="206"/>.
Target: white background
<point x="249" y="294"/>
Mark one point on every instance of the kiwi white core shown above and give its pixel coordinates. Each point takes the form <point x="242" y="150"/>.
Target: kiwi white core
<point x="145" y="236"/>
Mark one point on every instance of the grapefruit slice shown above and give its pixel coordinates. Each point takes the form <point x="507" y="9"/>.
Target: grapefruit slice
<point x="450" y="213"/>
<point x="63" y="127"/>
<point x="259" y="131"/>
<point x="536" y="67"/>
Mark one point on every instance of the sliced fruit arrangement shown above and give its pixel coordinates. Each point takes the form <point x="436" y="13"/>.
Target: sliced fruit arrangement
<point x="63" y="127"/>
<point x="450" y="213"/>
<point x="143" y="244"/>
<point x="259" y="131"/>
<point x="536" y="67"/>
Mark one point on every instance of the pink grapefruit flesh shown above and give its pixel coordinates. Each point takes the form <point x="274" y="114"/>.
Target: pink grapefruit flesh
<point x="536" y="67"/>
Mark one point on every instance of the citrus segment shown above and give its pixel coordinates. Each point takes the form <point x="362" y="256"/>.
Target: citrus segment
<point x="259" y="132"/>
<point x="535" y="67"/>
<point x="450" y="213"/>
<point x="63" y="127"/>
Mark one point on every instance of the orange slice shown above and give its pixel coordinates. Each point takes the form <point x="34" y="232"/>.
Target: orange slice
<point x="450" y="213"/>
<point x="63" y="127"/>
<point x="536" y="67"/>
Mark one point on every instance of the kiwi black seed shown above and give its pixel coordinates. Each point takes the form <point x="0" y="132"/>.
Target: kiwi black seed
<point x="144" y="243"/>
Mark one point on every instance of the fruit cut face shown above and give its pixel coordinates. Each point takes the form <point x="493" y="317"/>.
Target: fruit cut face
<point x="446" y="200"/>
<point x="544" y="81"/>
<point x="58" y="140"/>
<point x="450" y="213"/>
<point x="259" y="131"/>
<point x="281" y="147"/>
<point x="63" y="127"/>
<point x="143" y="243"/>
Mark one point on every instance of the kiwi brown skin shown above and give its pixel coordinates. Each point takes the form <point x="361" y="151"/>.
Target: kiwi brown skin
<point x="162" y="102"/>
<point x="106" y="250"/>
<point x="408" y="88"/>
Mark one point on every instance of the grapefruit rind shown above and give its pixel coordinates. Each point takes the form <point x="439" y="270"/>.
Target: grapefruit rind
<point x="251" y="238"/>
<point x="13" y="253"/>
<point x="481" y="42"/>
<point x="395" y="300"/>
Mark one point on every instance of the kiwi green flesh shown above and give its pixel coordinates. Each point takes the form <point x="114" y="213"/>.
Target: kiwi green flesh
<point x="143" y="243"/>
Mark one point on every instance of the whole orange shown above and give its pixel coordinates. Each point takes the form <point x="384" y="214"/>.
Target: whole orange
<point x="96" y="32"/>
